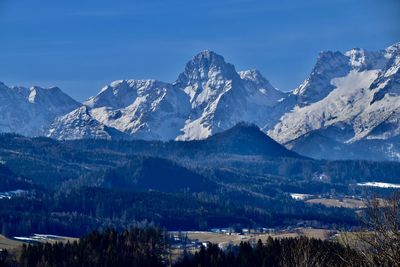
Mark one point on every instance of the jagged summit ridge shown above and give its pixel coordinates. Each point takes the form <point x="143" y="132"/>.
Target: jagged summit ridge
<point x="348" y="98"/>
<point x="146" y="109"/>
<point x="29" y="111"/>
<point x="331" y="65"/>
<point x="209" y="96"/>
<point x="206" y="75"/>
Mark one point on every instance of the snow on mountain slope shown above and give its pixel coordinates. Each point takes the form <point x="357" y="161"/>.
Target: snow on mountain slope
<point x="220" y="97"/>
<point x="318" y="85"/>
<point x="384" y="118"/>
<point x="30" y="111"/>
<point x="331" y="65"/>
<point x="145" y="109"/>
<point x="208" y="97"/>
<point x="267" y="103"/>
<point x="79" y="124"/>
<point x="210" y="83"/>
<point x="118" y="94"/>
<point x="362" y="100"/>
<point x="342" y="105"/>
<point x="350" y="101"/>
<point x="259" y="89"/>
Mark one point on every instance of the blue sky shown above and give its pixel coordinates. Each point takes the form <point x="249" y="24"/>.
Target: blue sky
<point x="82" y="45"/>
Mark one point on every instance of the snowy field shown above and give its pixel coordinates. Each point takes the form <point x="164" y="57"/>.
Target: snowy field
<point x="379" y="184"/>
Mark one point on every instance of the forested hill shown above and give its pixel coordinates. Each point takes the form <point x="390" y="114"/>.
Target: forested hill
<point x="243" y="139"/>
<point x="238" y="178"/>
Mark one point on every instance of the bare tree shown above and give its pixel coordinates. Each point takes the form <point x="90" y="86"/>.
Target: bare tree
<point x="303" y="254"/>
<point x="379" y="241"/>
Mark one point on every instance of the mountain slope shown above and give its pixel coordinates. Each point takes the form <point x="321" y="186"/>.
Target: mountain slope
<point x="339" y="108"/>
<point x="347" y="101"/>
<point x="144" y="109"/>
<point x="241" y="140"/>
<point x="220" y="97"/>
<point x="149" y="173"/>
<point x="79" y="124"/>
<point x="245" y="139"/>
<point x="208" y="97"/>
<point x="30" y="111"/>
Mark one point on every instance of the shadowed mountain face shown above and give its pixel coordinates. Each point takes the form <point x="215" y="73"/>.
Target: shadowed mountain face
<point x="245" y="139"/>
<point x="241" y="140"/>
<point x="143" y="168"/>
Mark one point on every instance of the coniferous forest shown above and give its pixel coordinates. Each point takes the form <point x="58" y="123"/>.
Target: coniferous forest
<point x="83" y="188"/>
<point x="149" y="248"/>
<point x="74" y="187"/>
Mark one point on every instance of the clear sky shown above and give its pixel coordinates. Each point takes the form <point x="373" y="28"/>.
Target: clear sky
<point x="81" y="45"/>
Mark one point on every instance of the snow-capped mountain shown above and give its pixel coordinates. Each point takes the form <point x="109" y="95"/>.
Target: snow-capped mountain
<point x="347" y="98"/>
<point x="145" y="109"/>
<point x="79" y="124"/>
<point x="331" y="65"/>
<point x="348" y="107"/>
<point x="210" y="96"/>
<point x="220" y="97"/>
<point x="29" y="111"/>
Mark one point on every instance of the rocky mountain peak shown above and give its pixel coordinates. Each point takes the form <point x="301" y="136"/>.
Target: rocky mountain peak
<point x="204" y="66"/>
<point x="317" y="86"/>
<point x="392" y="50"/>
<point x="254" y="76"/>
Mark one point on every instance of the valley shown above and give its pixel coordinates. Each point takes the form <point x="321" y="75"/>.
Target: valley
<point x="239" y="178"/>
<point x="200" y="133"/>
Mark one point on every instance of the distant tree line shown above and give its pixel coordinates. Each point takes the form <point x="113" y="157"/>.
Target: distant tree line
<point x="286" y="252"/>
<point x="80" y="211"/>
<point x="149" y="247"/>
<point x="378" y="244"/>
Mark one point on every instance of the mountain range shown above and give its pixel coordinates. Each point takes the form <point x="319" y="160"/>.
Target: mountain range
<point x="347" y="108"/>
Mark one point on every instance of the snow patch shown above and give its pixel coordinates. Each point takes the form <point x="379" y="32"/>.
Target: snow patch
<point x="298" y="196"/>
<point x="379" y="184"/>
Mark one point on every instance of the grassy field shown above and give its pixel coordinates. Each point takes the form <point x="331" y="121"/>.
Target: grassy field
<point x="10" y="244"/>
<point x="216" y="238"/>
<point x="221" y="238"/>
<point x="349" y="203"/>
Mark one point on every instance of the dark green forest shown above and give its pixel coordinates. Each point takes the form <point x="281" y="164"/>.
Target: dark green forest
<point x="141" y="247"/>
<point x="238" y="178"/>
